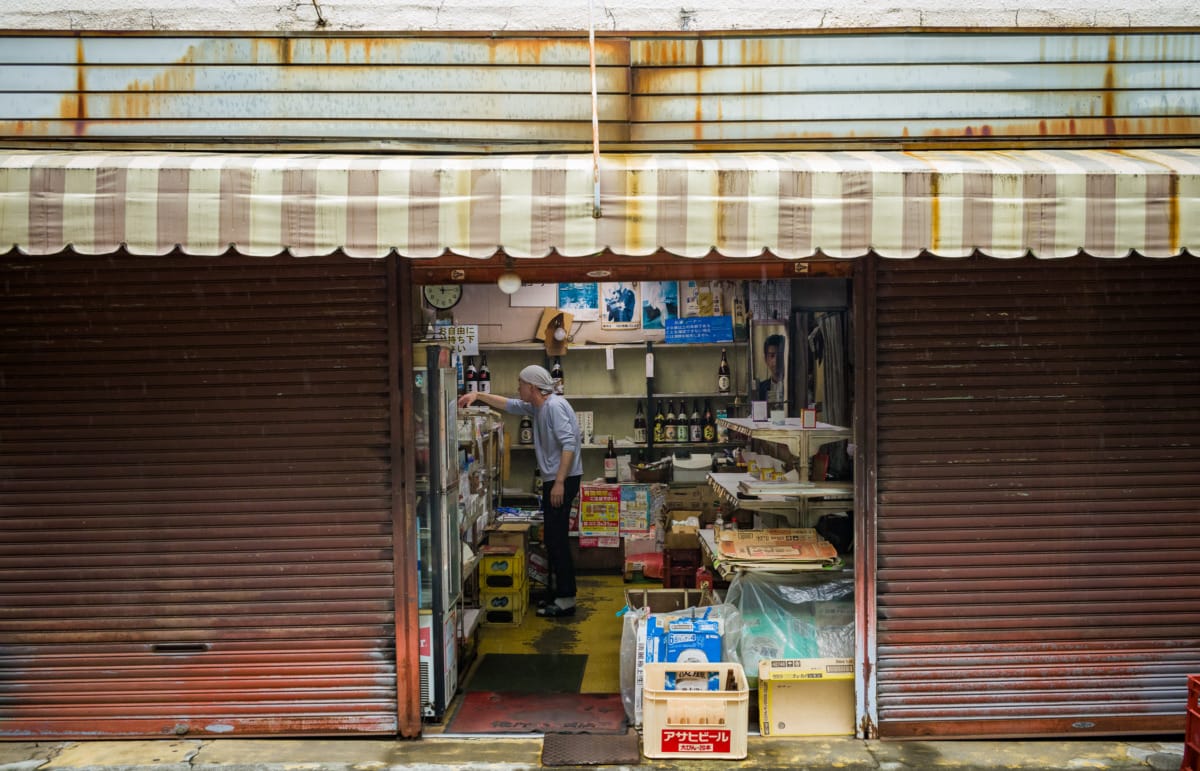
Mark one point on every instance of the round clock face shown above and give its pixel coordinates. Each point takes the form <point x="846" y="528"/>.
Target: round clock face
<point x="442" y="296"/>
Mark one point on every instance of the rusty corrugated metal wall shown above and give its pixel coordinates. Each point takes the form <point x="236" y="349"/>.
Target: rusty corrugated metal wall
<point x="672" y="91"/>
<point x="197" y="533"/>
<point x="1038" y="486"/>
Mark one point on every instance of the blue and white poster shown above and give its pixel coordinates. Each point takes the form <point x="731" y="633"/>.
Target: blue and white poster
<point x="582" y="301"/>
<point x="660" y="303"/>
<point x="622" y="309"/>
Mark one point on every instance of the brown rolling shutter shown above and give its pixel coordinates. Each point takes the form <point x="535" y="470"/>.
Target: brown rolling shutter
<point x="196" y="497"/>
<point x="1038" y="487"/>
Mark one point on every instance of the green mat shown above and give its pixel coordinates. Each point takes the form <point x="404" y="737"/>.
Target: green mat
<point x="528" y="673"/>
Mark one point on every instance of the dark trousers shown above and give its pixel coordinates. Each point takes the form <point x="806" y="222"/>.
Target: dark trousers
<point x="556" y="533"/>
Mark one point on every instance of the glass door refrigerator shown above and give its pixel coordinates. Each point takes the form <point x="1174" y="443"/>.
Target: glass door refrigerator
<point x="440" y="545"/>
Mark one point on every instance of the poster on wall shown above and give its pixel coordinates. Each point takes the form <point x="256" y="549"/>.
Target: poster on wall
<point x="700" y="298"/>
<point x="622" y="308"/>
<point x="660" y="303"/>
<point x="768" y="361"/>
<point x="582" y="301"/>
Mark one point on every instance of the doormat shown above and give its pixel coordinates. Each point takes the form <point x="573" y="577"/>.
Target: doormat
<point x="591" y="750"/>
<point x="528" y="673"/>
<point x="486" y="712"/>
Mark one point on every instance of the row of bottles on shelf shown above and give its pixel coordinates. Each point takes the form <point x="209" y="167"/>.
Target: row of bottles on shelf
<point x="474" y="378"/>
<point x="673" y="427"/>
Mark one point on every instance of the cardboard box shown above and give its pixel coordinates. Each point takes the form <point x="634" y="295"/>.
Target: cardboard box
<point x="512" y="535"/>
<point x="697" y="497"/>
<point x="679" y="535"/>
<point x="806" y="697"/>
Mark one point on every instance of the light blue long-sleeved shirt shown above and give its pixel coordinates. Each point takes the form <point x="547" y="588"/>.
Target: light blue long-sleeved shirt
<point x="555" y="428"/>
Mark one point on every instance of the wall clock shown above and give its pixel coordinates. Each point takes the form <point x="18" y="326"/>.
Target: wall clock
<point x="442" y="296"/>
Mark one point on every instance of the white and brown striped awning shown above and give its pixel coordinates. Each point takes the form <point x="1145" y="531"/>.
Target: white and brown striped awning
<point x="793" y="205"/>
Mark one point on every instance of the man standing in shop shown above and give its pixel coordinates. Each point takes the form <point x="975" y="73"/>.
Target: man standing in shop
<point x="556" y="445"/>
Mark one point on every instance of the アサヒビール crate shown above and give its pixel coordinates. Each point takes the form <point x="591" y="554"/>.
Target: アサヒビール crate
<point x="695" y="710"/>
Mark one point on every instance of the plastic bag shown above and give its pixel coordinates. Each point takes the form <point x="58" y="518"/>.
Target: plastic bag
<point x="792" y="616"/>
<point x="633" y="645"/>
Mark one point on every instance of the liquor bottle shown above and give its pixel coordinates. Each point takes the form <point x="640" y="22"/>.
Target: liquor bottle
<point x="660" y="423"/>
<point x="669" y="424"/>
<point x="710" y="422"/>
<point x="610" y="463"/>
<point x="537" y="480"/>
<point x="639" y="424"/>
<point x="471" y="376"/>
<point x="525" y="432"/>
<point x="723" y="374"/>
<point x="682" y="432"/>
<point x="556" y="374"/>
<point x="485" y="377"/>
<point x="695" y="427"/>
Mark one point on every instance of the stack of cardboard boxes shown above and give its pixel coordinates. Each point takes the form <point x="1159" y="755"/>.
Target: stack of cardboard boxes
<point x="689" y="508"/>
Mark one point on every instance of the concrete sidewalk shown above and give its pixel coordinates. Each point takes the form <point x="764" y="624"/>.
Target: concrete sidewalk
<point x="504" y="754"/>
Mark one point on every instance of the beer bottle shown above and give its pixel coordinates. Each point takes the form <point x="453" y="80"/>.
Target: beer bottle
<point x="660" y="423"/>
<point x="639" y="424"/>
<point x="471" y="376"/>
<point x="723" y="381"/>
<point x="485" y="377"/>
<point x="556" y="374"/>
<point x="710" y="422"/>
<point x="610" y="463"/>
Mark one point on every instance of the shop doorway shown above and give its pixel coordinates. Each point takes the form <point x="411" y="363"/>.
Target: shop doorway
<point x="608" y="380"/>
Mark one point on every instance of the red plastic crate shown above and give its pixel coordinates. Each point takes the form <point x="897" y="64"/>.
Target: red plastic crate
<point x="679" y="568"/>
<point x="1191" y="734"/>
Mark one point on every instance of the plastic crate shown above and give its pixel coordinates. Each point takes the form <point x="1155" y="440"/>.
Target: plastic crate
<point x="679" y="568"/>
<point x="678" y="722"/>
<point x="1191" y="734"/>
<point x="511" y="564"/>
<point x="504" y="608"/>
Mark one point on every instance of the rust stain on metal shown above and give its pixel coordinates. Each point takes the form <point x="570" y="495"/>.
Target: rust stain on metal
<point x="754" y="53"/>
<point x="1108" y="95"/>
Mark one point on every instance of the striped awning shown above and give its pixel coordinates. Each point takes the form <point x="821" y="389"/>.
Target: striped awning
<point x="794" y="205"/>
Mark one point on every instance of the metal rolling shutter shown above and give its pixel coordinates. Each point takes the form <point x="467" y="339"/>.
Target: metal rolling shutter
<point x="196" y="497"/>
<point x="1038" y="489"/>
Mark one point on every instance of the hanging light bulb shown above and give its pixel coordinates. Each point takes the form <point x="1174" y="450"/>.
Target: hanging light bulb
<point x="508" y="282"/>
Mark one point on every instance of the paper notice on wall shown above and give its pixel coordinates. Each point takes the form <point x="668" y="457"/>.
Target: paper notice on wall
<point x="600" y="514"/>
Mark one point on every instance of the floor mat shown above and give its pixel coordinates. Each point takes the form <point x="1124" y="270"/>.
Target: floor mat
<point x="591" y="750"/>
<point x="528" y="673"/>
<point x="485" y="712"/>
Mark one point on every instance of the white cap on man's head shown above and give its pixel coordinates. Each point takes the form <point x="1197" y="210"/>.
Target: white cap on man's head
<point x="537" y="377"/>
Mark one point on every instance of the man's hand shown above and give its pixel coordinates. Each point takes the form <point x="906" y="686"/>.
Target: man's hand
<point x="557" y="492"/>
<point x="467" y="399"/>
